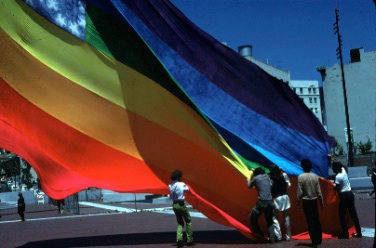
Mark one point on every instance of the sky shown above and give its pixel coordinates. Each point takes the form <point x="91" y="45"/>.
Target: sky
<point x="294" y="35"/>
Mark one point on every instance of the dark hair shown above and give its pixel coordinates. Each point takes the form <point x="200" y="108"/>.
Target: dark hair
<point x="258" y="171"/>
<point x="176" y="175"/>
<point x="306" y="165"/>
<point x="275" y="171"/>
<point x="336" y="166"/>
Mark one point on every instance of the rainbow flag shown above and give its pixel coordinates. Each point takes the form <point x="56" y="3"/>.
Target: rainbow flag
<point x="118" y="94"/>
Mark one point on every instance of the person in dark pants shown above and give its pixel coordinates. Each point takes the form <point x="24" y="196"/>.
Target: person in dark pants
<point x="177" y="190"/>
<point x="60" y="205"/>
<point x="264" y="204"/>
<point x="21" y="206"/>
<point x="309" y="191"/>
<point x="346" y="201"/>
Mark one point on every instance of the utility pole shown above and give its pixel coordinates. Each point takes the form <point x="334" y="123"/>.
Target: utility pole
<point x="350" y="157"/>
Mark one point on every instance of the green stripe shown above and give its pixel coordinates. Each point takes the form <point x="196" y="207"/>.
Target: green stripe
<point x="119" y="41"/>
<point x="251" y="164"/>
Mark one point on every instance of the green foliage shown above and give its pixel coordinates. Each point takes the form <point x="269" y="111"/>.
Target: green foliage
<point x="364" y="148"/>
<point x="337" y="149"/>
<point x="27" y="178"/>
<point x="11" y="167"/>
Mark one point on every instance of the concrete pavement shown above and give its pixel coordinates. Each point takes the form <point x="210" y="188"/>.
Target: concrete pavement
<point x="141" y="225"/>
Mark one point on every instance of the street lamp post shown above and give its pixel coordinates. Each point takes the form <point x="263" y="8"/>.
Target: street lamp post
<point x="339" y="56"/>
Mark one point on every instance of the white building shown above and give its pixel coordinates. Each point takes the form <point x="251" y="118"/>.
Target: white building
<point x="309" y="93"/>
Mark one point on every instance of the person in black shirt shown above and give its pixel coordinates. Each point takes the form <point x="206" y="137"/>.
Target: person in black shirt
<point x="282" y="204"/>
<point x="21" y="206"/>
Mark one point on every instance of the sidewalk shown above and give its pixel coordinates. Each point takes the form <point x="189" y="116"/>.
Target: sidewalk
<point x="152" y="225"/>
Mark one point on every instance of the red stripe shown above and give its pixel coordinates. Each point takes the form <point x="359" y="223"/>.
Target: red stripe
<point x="53" y="148"/>
<point x="68" y="161"/>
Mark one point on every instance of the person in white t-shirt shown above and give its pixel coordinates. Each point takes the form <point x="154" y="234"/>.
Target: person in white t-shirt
<point x="177" y="190"/>
<point x="346" y="201"/>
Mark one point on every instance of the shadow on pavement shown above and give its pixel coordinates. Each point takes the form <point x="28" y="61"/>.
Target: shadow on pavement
<point x="162" y="238"/>
<point x="304" y="244"/>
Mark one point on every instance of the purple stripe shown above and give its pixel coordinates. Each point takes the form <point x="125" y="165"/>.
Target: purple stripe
<point x="225" y="68"/>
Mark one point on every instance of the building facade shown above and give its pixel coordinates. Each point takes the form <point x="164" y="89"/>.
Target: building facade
<point x="360" y="84"/>
<point x="246" y="52"/>
<point x="309" y="92"/>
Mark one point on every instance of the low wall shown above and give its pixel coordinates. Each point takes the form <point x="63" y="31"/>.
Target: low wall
<point x="29" y="196"/>
<point x="91" y="194"/>
<point x="358" y="177"/>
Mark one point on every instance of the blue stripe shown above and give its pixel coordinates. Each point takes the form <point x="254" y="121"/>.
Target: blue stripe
<point x="258" y="128"/>
<point x="281" y="145"/>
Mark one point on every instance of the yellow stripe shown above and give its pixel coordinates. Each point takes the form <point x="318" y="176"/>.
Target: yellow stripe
<point x="64" y="53"/>
<point x="107" y="78"/>
<point x="89" y="113"/>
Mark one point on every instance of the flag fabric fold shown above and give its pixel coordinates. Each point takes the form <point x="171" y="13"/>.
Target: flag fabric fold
<point x="117" y="94"/>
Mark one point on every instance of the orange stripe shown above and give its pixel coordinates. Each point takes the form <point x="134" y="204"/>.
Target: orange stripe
<point x="66" y="167"/>
<point x="93" y="115"/>
<point x="162" y="149"/>
<point x="63" y="155"/>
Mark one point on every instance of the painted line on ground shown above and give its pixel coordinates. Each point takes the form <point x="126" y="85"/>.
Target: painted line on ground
<point x="108" y="207"/>
<point x="55" y="218"/>
<point x="193" y="214"/>
<point x="366" y="231"/>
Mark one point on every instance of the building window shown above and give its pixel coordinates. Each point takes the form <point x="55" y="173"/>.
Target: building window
<point x="315" y="100"/>
<point x="309" y="90"/>
<point x="310" y="100"/>
<point x="314" y="90"/>
<point x="301" y="90"/>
